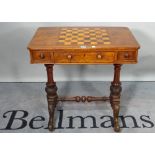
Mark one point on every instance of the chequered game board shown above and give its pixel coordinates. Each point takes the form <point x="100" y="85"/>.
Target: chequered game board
<point x="84" y="36"/>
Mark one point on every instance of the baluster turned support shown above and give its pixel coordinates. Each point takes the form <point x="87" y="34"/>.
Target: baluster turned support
<point x="115" y="95"/>
<point x="51" y="90"/>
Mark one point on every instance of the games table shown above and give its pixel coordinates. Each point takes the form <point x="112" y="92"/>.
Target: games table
<point x="83" y="45"/>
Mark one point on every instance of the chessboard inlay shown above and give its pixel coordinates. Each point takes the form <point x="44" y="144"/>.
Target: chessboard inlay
<point x="84" y="36"/>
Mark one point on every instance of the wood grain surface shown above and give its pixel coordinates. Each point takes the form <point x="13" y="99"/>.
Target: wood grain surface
<point x="85" y="45"/>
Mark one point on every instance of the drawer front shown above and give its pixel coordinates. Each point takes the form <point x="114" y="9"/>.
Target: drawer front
<point x="89" y="57"/>
<point x="41" y="57"/>
<point x="69" y="57"/>
<point x="100" y="57"/>
<point x="126" y="56"/>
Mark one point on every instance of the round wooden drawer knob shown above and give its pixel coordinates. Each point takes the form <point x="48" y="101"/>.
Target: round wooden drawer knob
<point x="126" y="55"/>
<point x="69" y="56"/>
<point x="42" y="56"/>
<point x="99" y="56"/>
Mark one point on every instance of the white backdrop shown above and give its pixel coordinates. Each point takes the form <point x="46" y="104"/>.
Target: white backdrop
<point x="15" y="66"/>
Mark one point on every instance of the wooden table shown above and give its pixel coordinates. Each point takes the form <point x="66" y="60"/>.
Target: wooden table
<point x="83" y="45"/>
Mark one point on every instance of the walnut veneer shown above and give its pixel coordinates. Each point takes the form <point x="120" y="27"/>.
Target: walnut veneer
<point x="83" y="45"/>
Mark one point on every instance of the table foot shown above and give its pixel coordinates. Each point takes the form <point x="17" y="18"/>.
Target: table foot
<point x="117" y="128"/>
<point x="116" y="121"/>
<point x="51" y="124"/>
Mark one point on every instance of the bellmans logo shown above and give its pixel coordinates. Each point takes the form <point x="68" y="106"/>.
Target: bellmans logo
<point x="14" y="122"/>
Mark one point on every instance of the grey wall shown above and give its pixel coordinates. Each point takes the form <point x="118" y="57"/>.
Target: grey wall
<point x="14" y="57"/>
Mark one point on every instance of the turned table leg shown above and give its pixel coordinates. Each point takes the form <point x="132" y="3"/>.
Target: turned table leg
<point x="51" y="90"/>
<point x="115" y="95"/>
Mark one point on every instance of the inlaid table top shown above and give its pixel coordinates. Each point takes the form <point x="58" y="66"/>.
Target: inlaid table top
<point x="50" y="38"/>
<point x="71" y="45"/>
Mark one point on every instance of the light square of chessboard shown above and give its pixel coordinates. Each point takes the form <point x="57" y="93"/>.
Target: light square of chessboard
<point x="93" y="43"/>
<point x="80" y="39"/>
<point x="106" y="38"/>
<point x="67" y="43"/>
<point x="80" y="43"/>
<point x="107" y="43"/>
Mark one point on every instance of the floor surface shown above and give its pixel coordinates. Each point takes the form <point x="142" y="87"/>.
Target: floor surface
<point x="23" y="108"/>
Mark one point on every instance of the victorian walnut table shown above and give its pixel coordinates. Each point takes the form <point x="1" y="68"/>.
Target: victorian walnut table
<point x="83" y="45"/>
